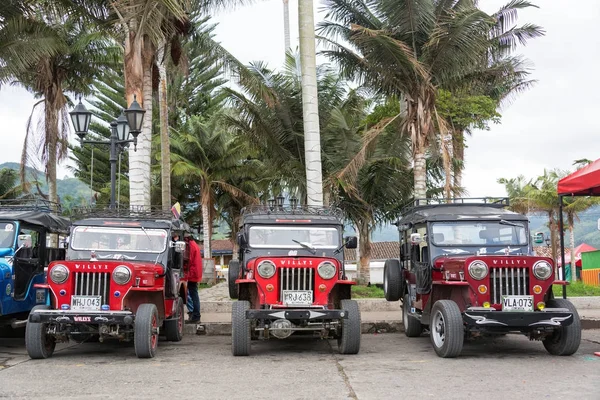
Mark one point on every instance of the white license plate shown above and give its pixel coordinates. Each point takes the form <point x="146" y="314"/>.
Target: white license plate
<point x="85" y="303"/>
<point x="517" y="303"/>
<point x="298" y="297"/>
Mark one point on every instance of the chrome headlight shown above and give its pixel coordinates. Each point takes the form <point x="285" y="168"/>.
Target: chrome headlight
<point x="266" y="269"/>
<point x="59" y="274"/>
<point x="326" y="270"/>
<point x="121" y="275"/>
<point x="542" y="270"/>
<point x="478" y="270"/>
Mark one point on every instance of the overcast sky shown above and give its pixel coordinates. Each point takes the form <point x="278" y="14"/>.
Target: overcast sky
<point x="549" y="126"/>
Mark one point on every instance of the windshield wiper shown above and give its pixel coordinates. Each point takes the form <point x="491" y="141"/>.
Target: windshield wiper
<point x="505" y="222"/>
<point x="307" y="246"/>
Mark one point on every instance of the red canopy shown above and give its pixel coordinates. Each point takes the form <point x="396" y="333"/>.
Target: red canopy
<point x="582" y="248"/>
<point x="583" y="182"/>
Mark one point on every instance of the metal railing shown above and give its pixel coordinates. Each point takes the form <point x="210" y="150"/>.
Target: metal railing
<point x="287" y="210"/>
<point x="29" y="204"/>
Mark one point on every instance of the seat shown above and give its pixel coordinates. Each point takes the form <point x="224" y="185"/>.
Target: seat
<point x="438" y="238"/>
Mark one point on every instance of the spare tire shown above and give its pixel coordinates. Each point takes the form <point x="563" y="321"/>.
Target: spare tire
<point x="393" y="281"/>
<point x="233" y="274"/>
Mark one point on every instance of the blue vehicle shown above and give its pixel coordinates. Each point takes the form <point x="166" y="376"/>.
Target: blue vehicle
<point x="31" y="236"/>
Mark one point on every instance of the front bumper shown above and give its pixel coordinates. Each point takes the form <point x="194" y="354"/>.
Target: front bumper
<point x="297" y="314"/>
<point x="549" y="317"/>
<point x="79" y="317"/>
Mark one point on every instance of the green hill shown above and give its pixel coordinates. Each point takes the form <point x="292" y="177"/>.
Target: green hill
<point x="71" y="191"/>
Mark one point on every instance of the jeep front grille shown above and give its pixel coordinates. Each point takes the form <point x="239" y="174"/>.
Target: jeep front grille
<point x="92" y="284"/>
<point x="508" y="282"/>
<point x="295" y="279"/>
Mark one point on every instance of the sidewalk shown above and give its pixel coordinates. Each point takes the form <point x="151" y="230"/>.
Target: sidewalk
<point x="377" y="315"/>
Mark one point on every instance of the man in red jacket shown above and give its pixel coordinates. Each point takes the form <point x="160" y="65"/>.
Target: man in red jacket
<point x="193" y="275"/>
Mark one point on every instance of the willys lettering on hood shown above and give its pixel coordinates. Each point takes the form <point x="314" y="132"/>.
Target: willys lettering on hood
<point x="510" y="261"/>
<point x="295" y="262"/>
<point x="92" y="267"/>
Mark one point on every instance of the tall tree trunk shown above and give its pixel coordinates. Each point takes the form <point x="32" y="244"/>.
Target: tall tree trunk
<point x="134" y="88"/>
<point x="51" y="122"/>
<point x="447" y="156"/>
<point x="571" y="222"/>
<point x="552" y="227"/>
<point x="419" y="127"/>
<point x="459" y="154"/>
<point x="165" y="152"/>
<point x="365" y="252"/>
<point x="206" y="228"/>
<point x="310" y="104"/>
<point x="286" y="24"/>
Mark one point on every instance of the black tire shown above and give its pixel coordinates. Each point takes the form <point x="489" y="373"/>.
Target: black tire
<point x="447" y="331"/>
<point x="240" y="328"/>
<point x="565" y="340"/>
<point x="349" y="339"/>
<point x="392" y="280"/>
<point x="232" y="275"/>
<point x="38" y="343"/>
<point x="174" y="326"/>
<point x="145" y="331"/>
<point x="412" y="326"/>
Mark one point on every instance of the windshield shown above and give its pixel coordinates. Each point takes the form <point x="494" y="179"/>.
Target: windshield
<point x="7" y="235"/>
<point x="473" y="233"/>
<point x="291" y="237"/>
<point x="130" y="240"/>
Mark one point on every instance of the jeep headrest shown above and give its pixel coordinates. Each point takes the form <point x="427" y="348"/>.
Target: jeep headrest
<point x="438" y="238"/>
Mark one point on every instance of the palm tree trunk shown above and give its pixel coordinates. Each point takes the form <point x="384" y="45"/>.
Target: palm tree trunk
<point x="51" y="122"/>
<point x="310" y="104"/>
<point x="571" y="222"/>
<point x="447" y="156"/>
<point x="286" y="24"/>
<point x="553" y="237"/>
<point x="459" y="154"/>
<point x="419" y="126"/>
<point x="364" y="266"/>
<point x="165" y="153"/>
<point x="134" y="88"/>
<point x="206" y="223"/>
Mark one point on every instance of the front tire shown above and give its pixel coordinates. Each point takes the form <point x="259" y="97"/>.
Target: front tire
<point x="240" y="328"/>
<point x="392" y="280"/>
<point x="349" y="339"/>
<point x="145" y="331"/>
<point x="412" y="326"/>
<point x="232" y="274"/>
<point x="447" y="330"/>
<point x="38" y="343"/>
<point x="174" y="326"/>
<point x="565" y="340"/>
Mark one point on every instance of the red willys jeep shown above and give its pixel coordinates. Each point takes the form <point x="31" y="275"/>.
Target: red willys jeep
<point x="290" y="278"/>
<point x="466" y="270"/>
<point x="120" y="280"/>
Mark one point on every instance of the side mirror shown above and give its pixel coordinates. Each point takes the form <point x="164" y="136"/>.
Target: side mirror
<point x="351" y="242"/>
<point x="241" y="239"/>
<point x="415" y="238"/>
<point x="179" y="246"/>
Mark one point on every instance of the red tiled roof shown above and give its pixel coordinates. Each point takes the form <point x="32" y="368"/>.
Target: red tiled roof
<point x="543" y="251"/>
<point x="222" y="245"/>
<point x="379" y="251"/>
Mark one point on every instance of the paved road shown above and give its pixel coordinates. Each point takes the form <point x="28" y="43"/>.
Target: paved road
<point x="389" y="366"/>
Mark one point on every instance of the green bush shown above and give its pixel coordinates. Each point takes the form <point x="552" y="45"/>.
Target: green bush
<point x="367" y="292"/>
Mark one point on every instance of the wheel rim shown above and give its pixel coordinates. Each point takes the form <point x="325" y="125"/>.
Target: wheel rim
<point x="154" y="331"/>
<point x="438" y="329"/>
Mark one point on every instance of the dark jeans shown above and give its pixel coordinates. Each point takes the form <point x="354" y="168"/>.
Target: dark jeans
<point x="195" y="303"/>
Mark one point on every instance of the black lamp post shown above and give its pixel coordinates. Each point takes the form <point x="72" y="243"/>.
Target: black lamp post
<point x="280" y="200"/>
<point x="129" y="122"/>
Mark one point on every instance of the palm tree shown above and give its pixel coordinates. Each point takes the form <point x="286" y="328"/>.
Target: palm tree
<point x="310" y="105"/>
<point x="80" y="57"/>
<point x="204" y="157"/>
<point x="9" y="187"/>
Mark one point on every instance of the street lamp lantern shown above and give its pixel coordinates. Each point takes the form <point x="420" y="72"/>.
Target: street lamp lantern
<point x="293" y="202"/>
<point x="81" y="117"/>
<point x="122" y="128"/>
<point x="280" y="200"/>
<point x="547" y="240"/>
<point x="135" y="116"/>
<point x="271" y="203"/>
